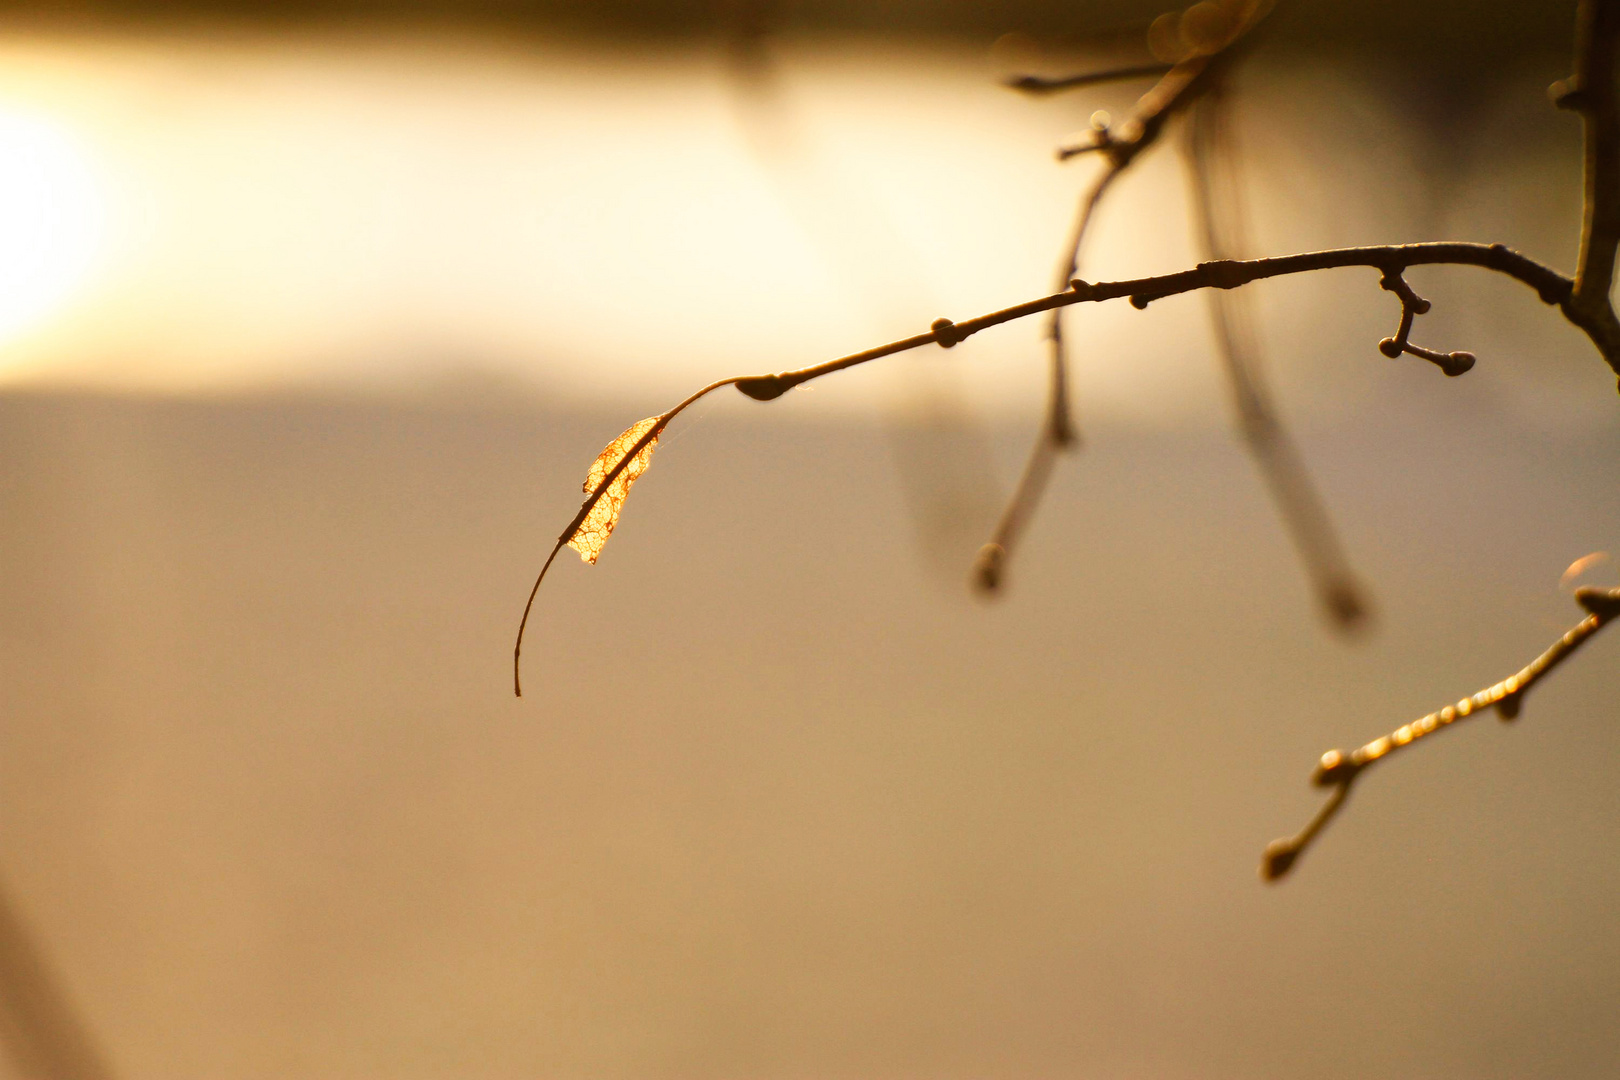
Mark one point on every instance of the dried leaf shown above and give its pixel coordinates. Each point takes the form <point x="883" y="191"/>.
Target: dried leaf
<point x="592" y="534"/>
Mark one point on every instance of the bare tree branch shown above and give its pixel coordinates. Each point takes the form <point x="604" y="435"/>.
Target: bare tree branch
<point x="1584" y="300"/>
<point x="1220" y="221"/>
<point x="1034" y="84"/>
<point x="1338" y="770"/>
<point x="1058" y="432"/>
<point x="1182" y="83"/>
<point x="1592" y="92"/>
<point x="1392" y="260"/>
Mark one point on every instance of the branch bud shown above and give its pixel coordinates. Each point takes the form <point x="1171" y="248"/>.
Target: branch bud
<point x="1336" y="767"/>
<point x="1278" y="859"/>
<point x="1458" y="363"/>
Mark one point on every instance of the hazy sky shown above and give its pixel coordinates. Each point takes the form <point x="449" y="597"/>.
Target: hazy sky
<point x="601" y="221"/>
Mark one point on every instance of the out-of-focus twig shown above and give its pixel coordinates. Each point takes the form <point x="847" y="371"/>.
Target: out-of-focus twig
<point x="1205" y="50"/>
<point x="939" y="449"/>
<point x="1220" y="225"/>
<point x="1035" y="84"/>
<point x="1339" y="769"/>
<point x="1593" y="92"/>
<point x="39" y="1029"/>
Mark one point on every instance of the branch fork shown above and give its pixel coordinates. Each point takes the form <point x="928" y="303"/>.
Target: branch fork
<point x="1339" y="769"/>
<point x="1413" y="305"/>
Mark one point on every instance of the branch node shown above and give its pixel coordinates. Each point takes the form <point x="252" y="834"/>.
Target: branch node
<point x="1603" y="603"/>
<point x="1336" y="767"/>
<point x="1224" y="273"/>
<point x="1566" y="94"/>
<point x="1279" y="858"/>
<point x="947" y="333"/>
<point x="987" y="567"/>
<point x="764" y="387"/>
<point x="1413" y="305"/>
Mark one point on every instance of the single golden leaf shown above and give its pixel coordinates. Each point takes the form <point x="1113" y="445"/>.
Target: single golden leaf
<point x="592" y="534"/>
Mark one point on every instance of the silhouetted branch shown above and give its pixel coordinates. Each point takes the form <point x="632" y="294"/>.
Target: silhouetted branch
<point x="1585" y="302"/>
<point x="1180" y="84"/>
<point x="1551" y="286"/>
<point x="1058" y="432"/>
<point x="1034" y="84"/>
<point x="1217" y="32"/>
<point x="1338" y="770"/>
<point x="1392" y="260"/>
<point x="1592" y="92"/>
<point x="657" y="428"/>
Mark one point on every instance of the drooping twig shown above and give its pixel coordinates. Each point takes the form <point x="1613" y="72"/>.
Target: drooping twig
<point x="1219" y="218"/>
<point x="1338" y="770"/>
<point x="1585" y="301"/>
<point x="1121" y="143"/>
<point x="1035" y="84"/>
<point x="630" y="455"/>
<point x="948" y="482"/>
<point x="1551" y="286"/>
<point x="1058" y="432"/>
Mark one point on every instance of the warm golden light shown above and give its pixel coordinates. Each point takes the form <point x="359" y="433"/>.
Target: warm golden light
<point x="1580" y="566"/>
<point x="52" y="220"/>
<point x="592" y="534"/>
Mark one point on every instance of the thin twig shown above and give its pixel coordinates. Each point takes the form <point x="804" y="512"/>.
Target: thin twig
<point x="1412" y="305"/>
<point x="1058" y="432"/>
<point x="1592" y="92"/>
<point x="1393" y="259"/>
<point x="1338" y="770"/>
<point x="1549" y="284"/>
<point x="590" y="504"/>
<point x="1035" y="84"/>
<point x="1180" y="85"/>
<point x="1219" y="220"/>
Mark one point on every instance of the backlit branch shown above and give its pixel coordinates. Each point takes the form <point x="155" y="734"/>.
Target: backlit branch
<point x="1549" y="284"/>
<point x="1339" y="769"/>
<point x="1205" y="45"/>
<point x="1392" y="260"/>
<point x="1592" y="92"/>
<point x="1058" y="432"/>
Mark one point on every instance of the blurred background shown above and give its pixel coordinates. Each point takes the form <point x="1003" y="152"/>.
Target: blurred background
<point x="312" y="318"/>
